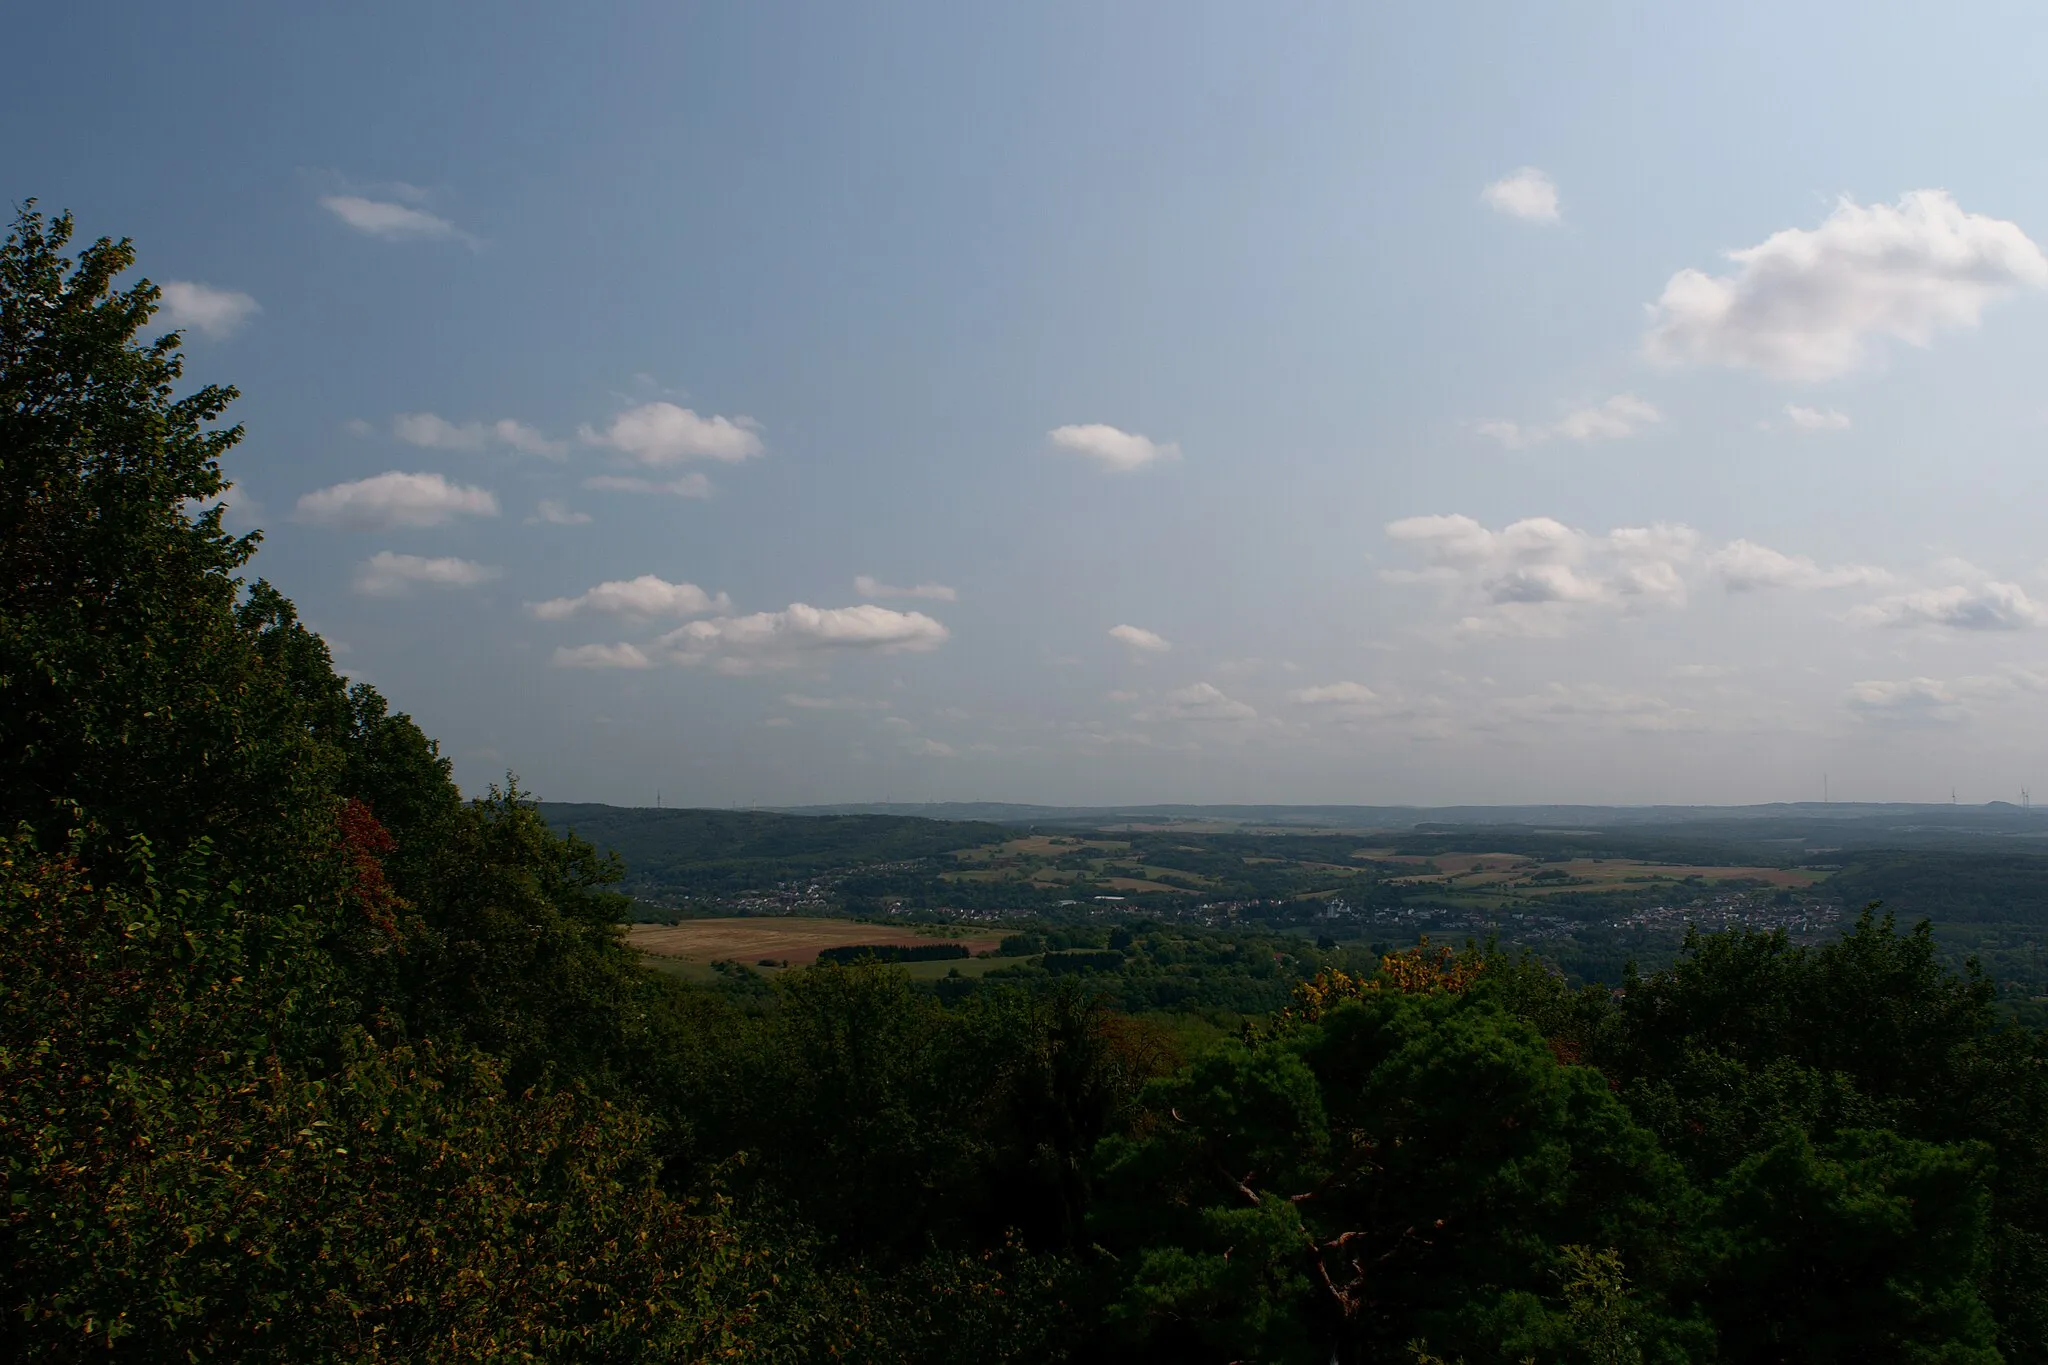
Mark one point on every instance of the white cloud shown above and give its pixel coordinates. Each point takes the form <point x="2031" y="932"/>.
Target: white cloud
<point x="804" y="703"/>
<point x="437" y="433"/>
<point x="385" y="574"/>
<point x="646" y="595"/>
<point x="660" y="434"/>
<point x="1531" y="583"/>
<point x="1815" y="419"/>
<point x="1744" y="566"/>
<point x="1906" y="700"/>
<point x="688" y="486"/>
<point x="1814" y="304"/>
<point x="557" y="514"/>
<point x="1647" y="559"/>
<point x="1528" y="194"/>
<point x="1140" y="639"/>
<point x="1618" y="417"/>
<point x="392" y="222"/>
<point x="394" y="499"/>
<point x="1532" y="576"/>
<point x="1911" y="700"/>
<point x="1349" y="699"/>
<point x="868" y="586"/>
<point x="1960" y="606"/>
<point x="525" y="439"/>
<point x="1119" y="452"/>
<point x="777" y="639"/>
<point x="1453" y="541"/>
<point x="601" y="656"/>
<point x="1200" y="702"/>
<point x="213" y="313"/>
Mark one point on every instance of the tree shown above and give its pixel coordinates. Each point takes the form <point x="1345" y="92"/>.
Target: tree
<point x="1410" y="1166"/>
<point x="139" y="688"/>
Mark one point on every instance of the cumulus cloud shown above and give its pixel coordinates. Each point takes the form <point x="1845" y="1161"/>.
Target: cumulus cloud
<point x="1455" y="541"/>
<point x="1960" y="606"/>
<point x="1200" y="702"/>
<point x="1808" y="305"/>
<point x="601" y="656"/>
<point x="1921" y="700"/>
<point x="213" y="313"/>
<point x="1349" y="700"/>
<point x="1744" y="566"/>
<point x="393" y="499"/>
<point x="557" y="514"/>
<point x="1534" y="575"/>
<point x="868" y="586"/>
<point x="777" y="639"/>
<point x="1815" y="419"/>
<point x="432" y="432"/>
<point x="646" y="595"/>
<point x="1140" y="639"/>
<point x="1530" y="583"/>
<point x="659" y="434"/>
<point x="385" y="574"/>
<point x="1621" y="416"/>
<point x="392" y="222"/>
<point x="1118" y="452"/>
<point x="688" y="486"/>
<point x="806" y="703"/>
<point x="1527" y="194"/>
<point x="1906" y="700"/>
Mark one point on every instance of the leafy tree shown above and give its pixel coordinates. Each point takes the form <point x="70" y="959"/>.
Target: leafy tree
<point x="1408" y="1167"/>
<point x="1869" y="1249"/>
<point x="1749" y="1038"/>
<point x="139" y="688"/>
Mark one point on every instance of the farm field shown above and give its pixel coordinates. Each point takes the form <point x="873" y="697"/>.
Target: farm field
<point x="1508" y="872"/>
<point x="795" y="941"/>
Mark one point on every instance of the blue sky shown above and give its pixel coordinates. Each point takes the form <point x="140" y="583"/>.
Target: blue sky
<point x="784" y="403"/>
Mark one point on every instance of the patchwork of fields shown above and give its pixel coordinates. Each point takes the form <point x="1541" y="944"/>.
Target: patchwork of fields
<point x="1512" y="874"/>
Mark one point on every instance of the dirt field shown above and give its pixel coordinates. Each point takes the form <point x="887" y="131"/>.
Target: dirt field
<point x="795" y="941"/>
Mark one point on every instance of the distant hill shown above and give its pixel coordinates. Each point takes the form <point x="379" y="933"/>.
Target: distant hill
<point x="1860" y="825"/>
<point x="686" y="853"/>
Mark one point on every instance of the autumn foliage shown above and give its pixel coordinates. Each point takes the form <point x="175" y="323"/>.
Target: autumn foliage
<point x="1425" y="969"/>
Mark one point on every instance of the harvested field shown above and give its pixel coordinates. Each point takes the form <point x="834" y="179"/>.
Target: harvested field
<point x="795" y="941"/>
<point x="1612" y="869"/>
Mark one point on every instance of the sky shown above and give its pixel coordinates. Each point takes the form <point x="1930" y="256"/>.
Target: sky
<point x="795" y="403"/>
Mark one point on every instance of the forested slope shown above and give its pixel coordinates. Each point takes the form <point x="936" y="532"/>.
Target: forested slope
<point x="691" y="853"/>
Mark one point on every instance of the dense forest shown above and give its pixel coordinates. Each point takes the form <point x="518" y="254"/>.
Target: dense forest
<point x="305" y="1057"/>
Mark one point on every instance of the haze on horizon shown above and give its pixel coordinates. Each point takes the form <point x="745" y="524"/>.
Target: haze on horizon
<point x="781" y="405"/>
